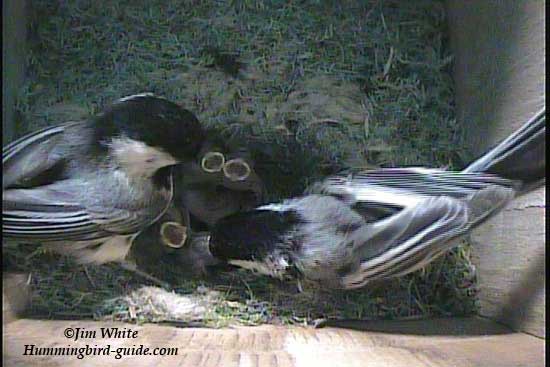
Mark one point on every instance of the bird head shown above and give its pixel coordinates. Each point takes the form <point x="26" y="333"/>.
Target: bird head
<point x="145" y="132"/>
<point x="170" y="248"/>
<point x="260" y="240"/>
<point x="217" y="162"/>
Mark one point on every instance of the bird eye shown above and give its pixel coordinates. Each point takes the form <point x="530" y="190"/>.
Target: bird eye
<point x="236" y="170"/>
<point x="173" y="234"/>
<point x="212" y="162"/>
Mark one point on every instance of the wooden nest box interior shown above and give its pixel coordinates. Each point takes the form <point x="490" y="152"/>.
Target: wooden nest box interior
<point x="499" y="71"/>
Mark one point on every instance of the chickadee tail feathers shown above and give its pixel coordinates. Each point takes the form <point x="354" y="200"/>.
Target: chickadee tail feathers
<point x="520" y="157"/>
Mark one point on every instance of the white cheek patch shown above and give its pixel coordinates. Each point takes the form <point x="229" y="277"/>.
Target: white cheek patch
<point x="139" y="159"/>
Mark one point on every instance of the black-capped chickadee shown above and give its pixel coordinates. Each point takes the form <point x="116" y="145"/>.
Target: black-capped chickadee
<point x="351" y="229"/>
<point x="88" y="188"/>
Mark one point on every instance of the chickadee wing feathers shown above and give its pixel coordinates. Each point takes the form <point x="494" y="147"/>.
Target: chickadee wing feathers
<point x="53" y="213"/>
<point x="397" y="188"/>
<point x="408" y="240"/>
<point x="31" y="156"/>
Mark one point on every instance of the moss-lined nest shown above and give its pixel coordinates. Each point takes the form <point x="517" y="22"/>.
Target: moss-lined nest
<point x="311" y="88"/>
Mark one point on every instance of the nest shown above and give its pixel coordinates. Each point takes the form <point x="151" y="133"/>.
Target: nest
<point x="309" y="87"/>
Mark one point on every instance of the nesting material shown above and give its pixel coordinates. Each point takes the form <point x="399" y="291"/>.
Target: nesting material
<point x="310" y="87"/>
<point x="159" y="305"/>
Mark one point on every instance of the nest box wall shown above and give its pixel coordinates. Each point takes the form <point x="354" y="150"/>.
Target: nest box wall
<point x="499" y="49"/>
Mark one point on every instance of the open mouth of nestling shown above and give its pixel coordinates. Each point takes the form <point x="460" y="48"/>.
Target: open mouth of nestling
<point x="235" y="169"/>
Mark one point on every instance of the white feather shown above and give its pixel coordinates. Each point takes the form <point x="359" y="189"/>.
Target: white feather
<point x="138" y="159"/>
<point x="134" y="96"/>
<point x="276" y="207"/>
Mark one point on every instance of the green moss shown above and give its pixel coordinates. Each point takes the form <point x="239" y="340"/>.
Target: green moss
<point x="310" y="87"/>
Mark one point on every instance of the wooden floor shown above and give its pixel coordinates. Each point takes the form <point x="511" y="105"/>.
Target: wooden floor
<point x="439" y="342"/>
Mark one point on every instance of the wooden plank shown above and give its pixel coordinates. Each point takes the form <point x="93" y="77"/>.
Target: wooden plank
<point x="499" y="72"/>
<point x="16" y="295"/>
<point x="440" y="342"/>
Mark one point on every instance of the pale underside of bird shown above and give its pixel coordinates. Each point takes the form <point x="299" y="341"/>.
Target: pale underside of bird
<point x="71" y="213"/>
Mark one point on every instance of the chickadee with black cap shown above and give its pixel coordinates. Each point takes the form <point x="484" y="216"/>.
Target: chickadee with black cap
<point x="88" y="188"/>
<point x="352" y="229"/>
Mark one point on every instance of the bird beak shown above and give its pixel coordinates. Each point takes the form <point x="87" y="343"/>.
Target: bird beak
<point x="173" y="234"/>
<point x="213" y="162"/>
<point x="198" y="257"/>
<point x="236" y="170"/>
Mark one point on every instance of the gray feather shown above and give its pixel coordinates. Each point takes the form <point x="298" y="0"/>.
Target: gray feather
<point x="84" y="200"/>
<point x="443" y="206"/>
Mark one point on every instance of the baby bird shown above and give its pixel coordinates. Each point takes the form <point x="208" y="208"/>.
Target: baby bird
<point x="169" y="249"/>
<point x="221" y="182"/>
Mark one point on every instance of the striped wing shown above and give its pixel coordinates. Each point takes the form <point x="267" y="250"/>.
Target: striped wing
<point x="404" y="242"/>
<point x="26" y="160"/>
<point x="37" y="212"/>
<point x="414" y="215"/>
<point x="52" y="214"/>
<point x="392" y="189"/>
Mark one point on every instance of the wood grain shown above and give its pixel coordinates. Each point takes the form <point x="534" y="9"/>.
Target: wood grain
<point x="439" y="342"/>
<point x="499" y="75"/>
